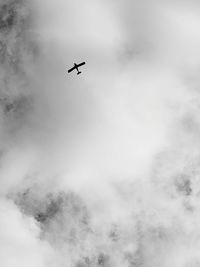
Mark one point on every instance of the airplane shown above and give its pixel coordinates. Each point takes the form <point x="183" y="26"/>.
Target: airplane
<point x="76" y="66"/>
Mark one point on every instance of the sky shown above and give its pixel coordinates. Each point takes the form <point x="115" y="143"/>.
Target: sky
<point x="99" y="169"/>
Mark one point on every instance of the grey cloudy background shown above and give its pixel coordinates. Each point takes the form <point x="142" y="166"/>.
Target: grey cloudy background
<point x="100" y="169"/>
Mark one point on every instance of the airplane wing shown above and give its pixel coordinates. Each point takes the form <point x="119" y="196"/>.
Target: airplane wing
<point x="71" y="69"/>
<point x="81" y="64"/>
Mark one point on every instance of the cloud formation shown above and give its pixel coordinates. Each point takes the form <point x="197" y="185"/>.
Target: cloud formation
<point x="99" y="169"/>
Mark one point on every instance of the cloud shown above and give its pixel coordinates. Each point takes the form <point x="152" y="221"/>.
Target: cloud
<point x="99" y="169"/>
<point x="19" y="239"/>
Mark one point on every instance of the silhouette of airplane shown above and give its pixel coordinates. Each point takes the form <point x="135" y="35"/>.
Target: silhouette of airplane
<point x="76" y="66"/>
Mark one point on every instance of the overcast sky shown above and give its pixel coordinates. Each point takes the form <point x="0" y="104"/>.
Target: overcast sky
<point x="99" y="169"/>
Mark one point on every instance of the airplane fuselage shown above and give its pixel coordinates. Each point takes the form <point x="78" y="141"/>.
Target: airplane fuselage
<point x="76" y="67"/>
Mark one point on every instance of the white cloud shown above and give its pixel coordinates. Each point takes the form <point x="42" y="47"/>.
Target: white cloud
<point x="102" y="167"/>
<point x="20" y="245"/>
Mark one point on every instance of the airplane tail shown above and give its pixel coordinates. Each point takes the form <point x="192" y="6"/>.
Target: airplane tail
<point x="79" y="72"/>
